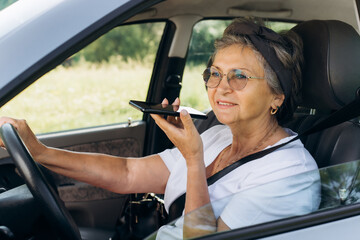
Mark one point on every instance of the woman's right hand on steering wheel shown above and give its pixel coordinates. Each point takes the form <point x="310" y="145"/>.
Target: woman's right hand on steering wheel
<point x="34" y="146"/>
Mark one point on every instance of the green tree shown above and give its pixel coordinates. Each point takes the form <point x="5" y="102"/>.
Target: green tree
<point x="135" y="42"/>
<point x="202" y="41"/>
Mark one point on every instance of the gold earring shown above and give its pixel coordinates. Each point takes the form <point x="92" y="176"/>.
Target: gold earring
<point x="274" y="111"/>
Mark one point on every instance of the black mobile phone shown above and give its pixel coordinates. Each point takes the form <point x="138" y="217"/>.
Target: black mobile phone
<point x="158" y="108"/>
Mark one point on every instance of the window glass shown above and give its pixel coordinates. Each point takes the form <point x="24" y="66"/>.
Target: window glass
<point x="340" y="185"/>
<point x="297" y="195"/>
<point x="94" y="86"/>
<point x="193" y="91"/>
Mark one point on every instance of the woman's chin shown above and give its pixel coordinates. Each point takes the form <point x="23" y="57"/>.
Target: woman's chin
<point x="224" y="119"/>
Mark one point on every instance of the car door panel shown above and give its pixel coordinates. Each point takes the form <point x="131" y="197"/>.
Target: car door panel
<point x="92" y="206"/>
<point x="89" y="205"/>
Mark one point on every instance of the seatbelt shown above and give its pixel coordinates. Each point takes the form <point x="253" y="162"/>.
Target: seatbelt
<point x="348" y="112"/>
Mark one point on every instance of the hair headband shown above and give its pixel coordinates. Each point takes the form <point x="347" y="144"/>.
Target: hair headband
<point x="260" y="37"/>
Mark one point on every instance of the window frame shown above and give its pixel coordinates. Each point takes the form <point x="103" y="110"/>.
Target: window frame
<point x="289" y="224"/>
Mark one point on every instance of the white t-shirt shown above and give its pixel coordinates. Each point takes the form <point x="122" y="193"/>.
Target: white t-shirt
<point x="289" y="160"/>
<point x="266" y="188"/>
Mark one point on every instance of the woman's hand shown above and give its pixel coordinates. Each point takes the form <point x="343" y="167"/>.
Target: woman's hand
<point x="182" y="133"/>
<point x="29" y="138"/>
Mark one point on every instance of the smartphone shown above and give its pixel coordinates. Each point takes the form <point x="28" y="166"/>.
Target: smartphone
<point x="158" y="108"/>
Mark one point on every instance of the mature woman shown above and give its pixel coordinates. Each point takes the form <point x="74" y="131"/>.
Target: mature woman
<point x="251" y="83"/>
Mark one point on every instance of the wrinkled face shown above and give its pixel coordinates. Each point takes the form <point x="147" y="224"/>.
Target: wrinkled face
<point x="253" y="103"/>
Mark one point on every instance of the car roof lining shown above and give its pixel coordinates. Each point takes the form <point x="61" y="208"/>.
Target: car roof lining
<point x="290" y="10"/>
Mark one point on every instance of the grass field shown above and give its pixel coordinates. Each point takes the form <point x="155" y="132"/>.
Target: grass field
<point x="88" y="95"/>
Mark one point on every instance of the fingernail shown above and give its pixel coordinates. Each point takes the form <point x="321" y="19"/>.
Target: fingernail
<point x="184" y="112"/>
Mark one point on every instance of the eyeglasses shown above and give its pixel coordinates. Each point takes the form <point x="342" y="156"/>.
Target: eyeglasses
<point x="236" y="78"/>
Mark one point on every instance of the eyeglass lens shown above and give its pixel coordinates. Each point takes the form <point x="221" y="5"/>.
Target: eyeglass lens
<point x="236" y="78"/>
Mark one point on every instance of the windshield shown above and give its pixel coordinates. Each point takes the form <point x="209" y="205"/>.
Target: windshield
<point x="297" y="195"/>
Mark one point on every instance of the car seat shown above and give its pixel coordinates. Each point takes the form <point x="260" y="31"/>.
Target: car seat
<point x="331" y="79"/>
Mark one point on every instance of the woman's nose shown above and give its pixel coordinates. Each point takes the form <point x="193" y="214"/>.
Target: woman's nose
<point x="224" y="82"/>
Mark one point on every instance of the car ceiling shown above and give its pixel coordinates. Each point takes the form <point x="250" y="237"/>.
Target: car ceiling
<point x="291" y="10"/>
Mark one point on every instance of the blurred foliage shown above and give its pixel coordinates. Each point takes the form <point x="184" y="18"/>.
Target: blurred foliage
<point x="136" y="42"/>
<point x="279" y="26"/>
<point x="139" y="42"/>
<point x="202" y="41"/>
<point x="6" y="3"/>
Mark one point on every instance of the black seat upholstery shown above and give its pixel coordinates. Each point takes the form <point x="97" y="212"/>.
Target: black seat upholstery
<point x="331" y="78"/>
<point x="202" y="125"/>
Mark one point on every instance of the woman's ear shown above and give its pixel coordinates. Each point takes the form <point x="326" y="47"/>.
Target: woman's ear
<point x="278" y="100"/>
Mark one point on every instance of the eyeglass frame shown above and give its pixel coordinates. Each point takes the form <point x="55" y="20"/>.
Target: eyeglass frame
<point x="227" y="77"/>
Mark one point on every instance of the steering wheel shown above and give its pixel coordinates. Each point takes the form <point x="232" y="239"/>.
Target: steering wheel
<point x="53" y="207"/>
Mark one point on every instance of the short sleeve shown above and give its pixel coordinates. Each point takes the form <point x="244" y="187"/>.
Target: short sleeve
<point x="170" y="157"/>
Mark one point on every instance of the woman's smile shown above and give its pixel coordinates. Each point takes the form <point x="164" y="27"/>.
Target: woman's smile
<point x="225" y="104"/>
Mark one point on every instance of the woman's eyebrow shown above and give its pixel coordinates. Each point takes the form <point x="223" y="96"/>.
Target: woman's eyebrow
<point x="216" y="67"/>
<point x="246" y="69"/>
<point x="241" y="68"/>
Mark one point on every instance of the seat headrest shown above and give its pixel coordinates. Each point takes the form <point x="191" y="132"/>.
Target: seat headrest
<point x="331" y="74"/>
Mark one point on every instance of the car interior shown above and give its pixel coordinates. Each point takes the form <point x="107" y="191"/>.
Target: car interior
<point x="330" y="82"/>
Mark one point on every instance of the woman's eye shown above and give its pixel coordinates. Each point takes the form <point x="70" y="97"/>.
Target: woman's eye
<point x="215" y="74"/>
<point x="240" y="76"/>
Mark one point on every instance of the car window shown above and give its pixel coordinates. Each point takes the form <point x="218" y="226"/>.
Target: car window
<point x="94" y="86"/>
<point x="298" y="195"/>
<point x="201" y="47"/>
